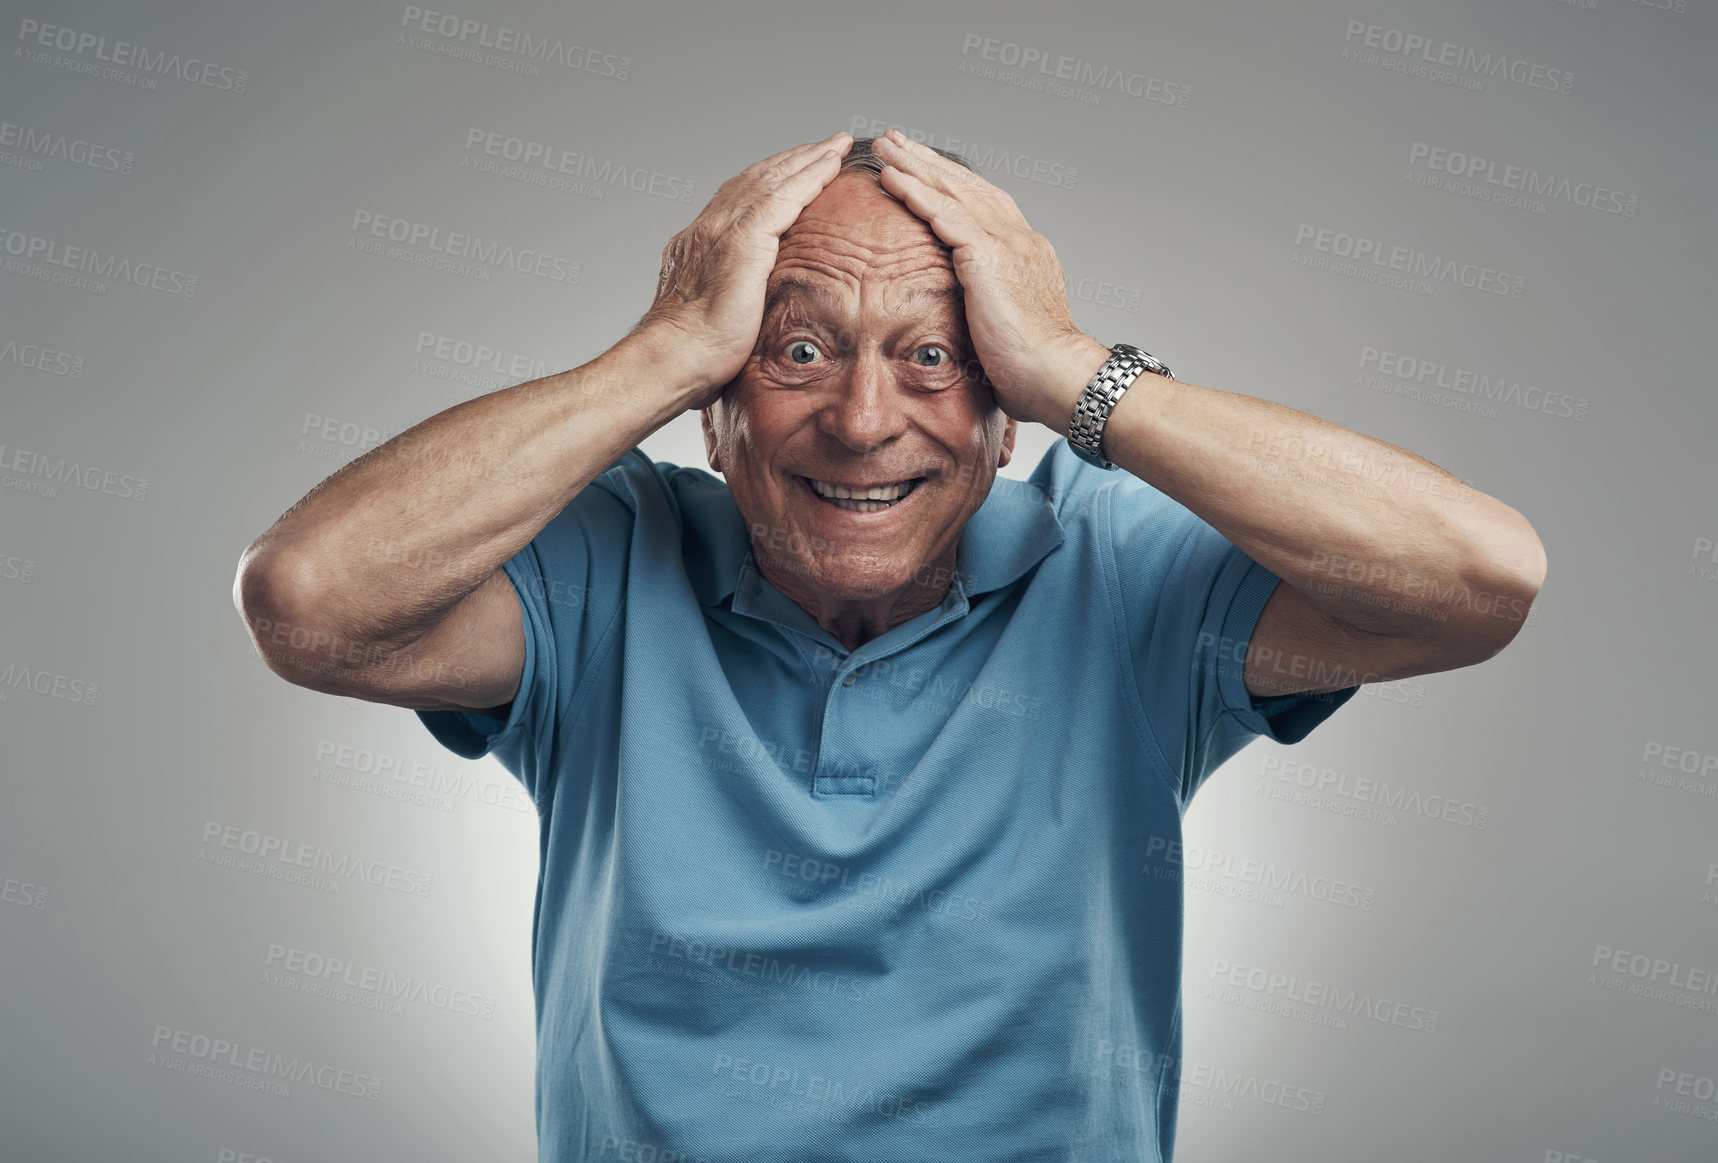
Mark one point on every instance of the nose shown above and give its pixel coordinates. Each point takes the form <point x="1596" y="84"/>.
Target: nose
<point x="866" y="408"/>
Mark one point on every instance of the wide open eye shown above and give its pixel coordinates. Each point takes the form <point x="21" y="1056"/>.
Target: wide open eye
<point x="802" y="352"/>
<point x="940" y="358"/>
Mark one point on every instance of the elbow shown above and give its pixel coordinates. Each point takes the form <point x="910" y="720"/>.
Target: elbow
<point x="250" y="586"/>
<point x="268" y="598"/>
<point x="1501" y="593"/>
<point x="1525" y="573"/>
<point x="258" y="592"/>
<point x="1532" y="563"/>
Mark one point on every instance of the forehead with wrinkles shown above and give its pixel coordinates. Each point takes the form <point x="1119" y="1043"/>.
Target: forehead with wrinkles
<point x="852" y="238"/>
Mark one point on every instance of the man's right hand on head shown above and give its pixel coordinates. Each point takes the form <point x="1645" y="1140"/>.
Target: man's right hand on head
<point x="710" y="293"/>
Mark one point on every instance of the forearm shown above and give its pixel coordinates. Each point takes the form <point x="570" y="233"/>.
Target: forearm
<point x="1374" y="536"/>
<point x="384" y="548"/>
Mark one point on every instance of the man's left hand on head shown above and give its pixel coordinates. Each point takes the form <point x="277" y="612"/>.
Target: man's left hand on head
<point x="1017" y="312"/>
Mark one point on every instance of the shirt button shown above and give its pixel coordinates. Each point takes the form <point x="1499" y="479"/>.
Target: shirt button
<point x="849" y="680"/>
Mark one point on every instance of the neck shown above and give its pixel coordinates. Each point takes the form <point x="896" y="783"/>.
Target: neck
<point x="855" y="621"/>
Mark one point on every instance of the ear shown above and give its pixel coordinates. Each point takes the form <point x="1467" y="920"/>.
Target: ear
<point x="707" y="421"/>
<point x="1008" y="432"/>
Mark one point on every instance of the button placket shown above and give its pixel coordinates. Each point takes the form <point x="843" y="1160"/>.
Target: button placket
<point x="832" y="776"/>
<point x="823" y="783"/>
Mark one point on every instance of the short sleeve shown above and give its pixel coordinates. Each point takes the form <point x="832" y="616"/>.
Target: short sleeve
<point x="1192" y="601"/>
<point x="570" y="582"/>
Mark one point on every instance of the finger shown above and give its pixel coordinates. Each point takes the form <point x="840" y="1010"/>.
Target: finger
<point x="809" y="179"/>
<point x="946" y="215"/>
<point x="789" y="157"/>
<point x="738" y="194"/>
<point x="980" y="262"/>
<point x="990" y="206"/>
<point x="741" y="190"/>
<point x="936" y="170"/>
<point x="780" y="206"/>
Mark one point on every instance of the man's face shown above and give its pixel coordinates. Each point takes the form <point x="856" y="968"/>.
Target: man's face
<point x="862" y="376"/>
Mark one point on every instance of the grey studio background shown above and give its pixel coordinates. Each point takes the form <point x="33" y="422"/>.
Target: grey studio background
<point x="1480" y="231"/>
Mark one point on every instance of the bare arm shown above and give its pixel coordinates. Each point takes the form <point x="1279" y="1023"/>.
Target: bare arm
<point x="1391" y="567"/>
<point x="367" y="566"/>
<point x="383" y="583"/>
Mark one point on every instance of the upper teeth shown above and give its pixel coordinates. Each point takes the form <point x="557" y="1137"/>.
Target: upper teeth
<point x="874" y="493"/>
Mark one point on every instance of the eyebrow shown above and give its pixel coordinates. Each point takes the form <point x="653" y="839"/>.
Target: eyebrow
<point x="791" y="288"/>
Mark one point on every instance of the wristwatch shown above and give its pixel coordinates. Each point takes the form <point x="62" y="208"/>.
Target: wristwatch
<point x="1092" y="411"/>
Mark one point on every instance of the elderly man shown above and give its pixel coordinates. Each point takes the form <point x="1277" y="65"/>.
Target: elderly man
<point x="861" y="773"/>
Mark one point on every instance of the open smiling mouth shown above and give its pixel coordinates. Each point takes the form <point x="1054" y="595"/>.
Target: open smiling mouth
<point x="874" y="499"/>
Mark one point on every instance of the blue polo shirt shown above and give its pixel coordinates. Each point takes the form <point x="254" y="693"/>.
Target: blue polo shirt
<point x="918" y="900"/>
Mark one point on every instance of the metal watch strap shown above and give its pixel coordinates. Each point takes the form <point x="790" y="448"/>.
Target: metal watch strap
<point x="1092" y="411"/>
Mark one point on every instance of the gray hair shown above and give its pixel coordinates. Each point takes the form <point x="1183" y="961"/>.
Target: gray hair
<point x="860" y="159"/>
